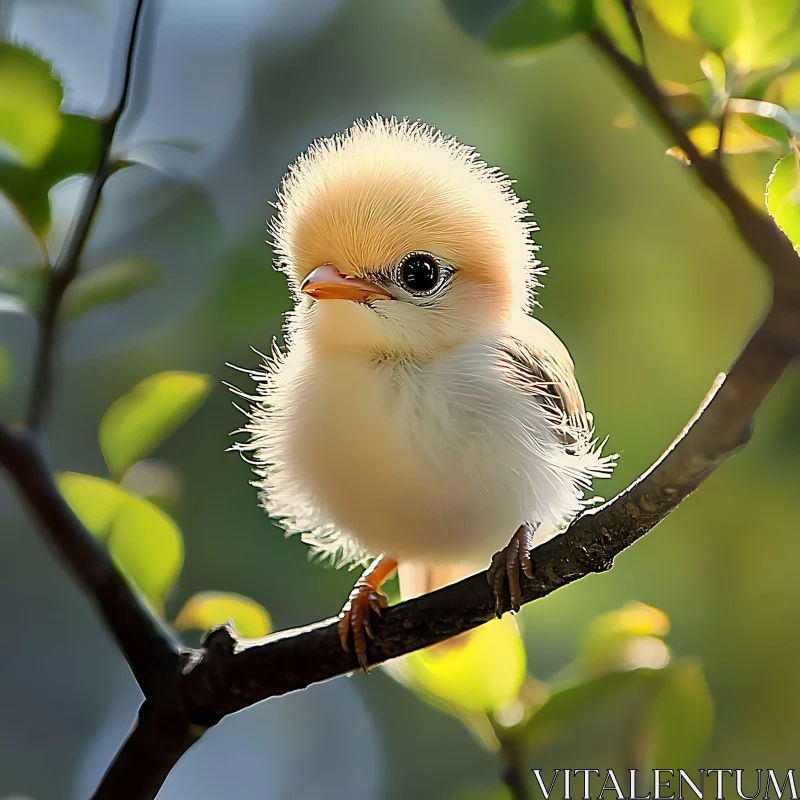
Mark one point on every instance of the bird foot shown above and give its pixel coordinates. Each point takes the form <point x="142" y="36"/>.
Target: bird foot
<point x="356" y="619"/>
<point x="506" y="564"/>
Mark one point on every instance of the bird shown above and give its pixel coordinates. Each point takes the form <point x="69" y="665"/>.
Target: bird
<point x="418" y="418"/>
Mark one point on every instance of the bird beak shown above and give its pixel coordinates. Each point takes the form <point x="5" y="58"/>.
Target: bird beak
<point x="327" y="283"/>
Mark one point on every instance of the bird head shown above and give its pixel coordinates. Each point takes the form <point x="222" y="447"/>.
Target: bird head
<point x="400" y="241"/>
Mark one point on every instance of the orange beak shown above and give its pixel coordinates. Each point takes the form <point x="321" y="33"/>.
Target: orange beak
<point x="327" y="283"/>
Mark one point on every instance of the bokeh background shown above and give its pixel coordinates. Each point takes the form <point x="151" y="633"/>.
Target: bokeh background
<point x="648" y="285"/>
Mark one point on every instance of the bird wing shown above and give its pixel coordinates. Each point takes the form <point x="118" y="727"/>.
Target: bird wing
<point x="537" y="363"/>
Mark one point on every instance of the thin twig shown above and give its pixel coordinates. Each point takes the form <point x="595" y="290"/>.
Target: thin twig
<point x="66" y="265"/>
<point x="149" y="647"/>
<point x="636" y="29"/>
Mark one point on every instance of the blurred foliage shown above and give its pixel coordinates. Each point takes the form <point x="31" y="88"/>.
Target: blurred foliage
<point x="480" y="678"/>
<point x="752" y="48"/>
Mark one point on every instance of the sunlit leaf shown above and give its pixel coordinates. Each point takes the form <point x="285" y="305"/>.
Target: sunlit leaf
<point x="30" y="97"/>
<point x="739" y="138"/>
<point x="208" y="610"/>
<point x="22" y="289"/>
<point x="681" y="718"/>
<point x="109" y="284"/>
<point x="147" y="547"/>
<point x="479" y="671"/>
<point x="569" y="702"/>
<point x="766" y="34"/>
<point x="144" y="542"/>
<point x="76" y="151"/>
<point x="628" y="638"/>
<point x="95" y="501"/>
<point x="137" y="423"/>
<point x="673" y="16"/>
<point x="716" y="22"/>
<point x="783" y="197"/>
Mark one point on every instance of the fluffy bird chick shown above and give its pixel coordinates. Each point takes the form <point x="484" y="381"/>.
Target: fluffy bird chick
<point x="419" y="415"/>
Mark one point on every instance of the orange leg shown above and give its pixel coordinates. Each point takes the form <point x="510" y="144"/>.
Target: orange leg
<point x="365" y="599"/>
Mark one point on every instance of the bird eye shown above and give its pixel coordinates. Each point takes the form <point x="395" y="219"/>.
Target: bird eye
<point x="418" y="273"/>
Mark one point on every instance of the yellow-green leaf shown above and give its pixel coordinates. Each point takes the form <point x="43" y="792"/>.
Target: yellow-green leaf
<point x="30" y="97"/>
<point x="628" y="638"/>
<point x="681" y="717"/>
<point x="479" y="671"/>
<point x="137" y="423"/>
<point x="109" y="284"/>
<point x="95" y="501"/>
<point x="207" y="610"/>
<point x="769" y="32"/>
<point x="673" y="16"/>
<point x="76" y="151"/>
<point x="147" y="547"/>
<point x="717" y="22"/>
<point x="783" y="197"/>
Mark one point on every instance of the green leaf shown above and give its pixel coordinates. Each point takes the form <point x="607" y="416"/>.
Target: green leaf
<point x="77" y="151"/>
<point x="137" y="423"/>
<point x="520" y="26"/>
<point x="207" y="610"/>
<point x="537" y="23"/>
<point x="717" y="22"/>
<point x="95" y="501"/>
<point x="22" y="289"/>
<point x="681" y="718"/>
<point x="673" y="16"/>
<point x="109" y="284"/>
<point x="147" y="547"/>
<point x="5" y="368"/>
<point x="30" y="97"/>
<point x="770" y="32"/>
<point x="479" y="671"/>
<point x="144" y="542"/>
<point x="783" y="197"/>
<point x="568" y="702"/>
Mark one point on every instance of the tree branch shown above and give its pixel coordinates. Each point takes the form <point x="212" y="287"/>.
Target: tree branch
<point x="149" y="647"/>
<point x="66" y="266"/>
<point x="188" y="691"/>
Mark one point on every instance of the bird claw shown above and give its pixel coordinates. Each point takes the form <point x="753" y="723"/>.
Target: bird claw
<point x="356" y="619"/>
<point x="506" y="565"/>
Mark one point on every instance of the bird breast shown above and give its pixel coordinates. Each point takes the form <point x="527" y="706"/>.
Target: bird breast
<point x="435" y="463"/>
